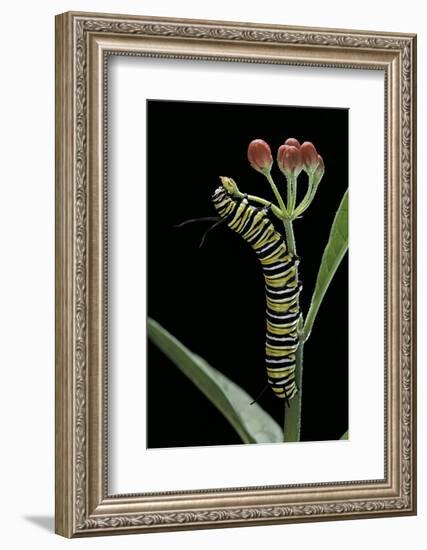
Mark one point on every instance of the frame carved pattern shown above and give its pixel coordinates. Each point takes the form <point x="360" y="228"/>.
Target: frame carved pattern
<point x="83" y="522"/>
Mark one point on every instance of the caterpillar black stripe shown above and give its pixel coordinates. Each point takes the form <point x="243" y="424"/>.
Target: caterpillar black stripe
<point x="281" y="286"/>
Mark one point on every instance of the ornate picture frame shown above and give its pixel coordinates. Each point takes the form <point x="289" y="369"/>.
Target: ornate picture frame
<point x="84" y="42"/>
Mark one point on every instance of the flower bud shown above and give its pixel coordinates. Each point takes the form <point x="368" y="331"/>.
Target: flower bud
<point x="289" y="160"/>
<point x="309" y="156"/>
<point x="294" y="142"/>
<point x="229" y="185"/>
<point x="259" y="156"/>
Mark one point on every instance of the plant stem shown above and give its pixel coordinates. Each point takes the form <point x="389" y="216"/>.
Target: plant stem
<point x="293" y="183"/>
<point x="289" y="191"/>
<point x="292" y="428"/>
<point x="304" y="206"/>
<point x="278" y="196"/>
<point x="292" y="424"/>
<point x="290" y="239"/>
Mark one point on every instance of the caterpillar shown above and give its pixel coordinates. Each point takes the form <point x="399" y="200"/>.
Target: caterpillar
<point x="281" y="286"/>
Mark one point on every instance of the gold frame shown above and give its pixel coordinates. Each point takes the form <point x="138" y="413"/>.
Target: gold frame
<point x="83" y="43"/>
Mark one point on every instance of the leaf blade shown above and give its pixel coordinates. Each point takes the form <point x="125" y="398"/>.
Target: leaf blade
<point x="251" y="422"/>
<point x="334" y="252"/>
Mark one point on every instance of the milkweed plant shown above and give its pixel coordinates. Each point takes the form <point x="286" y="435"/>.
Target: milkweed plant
<point x="287" y="328"/>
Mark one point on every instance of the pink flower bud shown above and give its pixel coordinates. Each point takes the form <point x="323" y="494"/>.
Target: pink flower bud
<point x="259" y="156"/>
<point x="289" y="160"/>
<point x="294" y="142"/>
<point x="309" y="156"/>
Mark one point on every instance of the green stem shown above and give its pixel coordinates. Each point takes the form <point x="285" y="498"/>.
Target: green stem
<point x="294" y="195"/>
<point x="308" y="199"/>
<point x="278" y="196"/>
<point x="290" y="239"/>
<point x="292" y="428"/>
<point x="292" y="425"/>
<point x="289" y="191"/>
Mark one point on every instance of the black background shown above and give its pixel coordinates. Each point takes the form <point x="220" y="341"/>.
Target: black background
<point x="212" y="299"/>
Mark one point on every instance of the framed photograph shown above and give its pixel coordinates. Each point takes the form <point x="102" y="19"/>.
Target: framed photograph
<point x="235" y="274"/>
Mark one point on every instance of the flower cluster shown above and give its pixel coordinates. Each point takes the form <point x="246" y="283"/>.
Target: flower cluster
<point x="292" y="159"/>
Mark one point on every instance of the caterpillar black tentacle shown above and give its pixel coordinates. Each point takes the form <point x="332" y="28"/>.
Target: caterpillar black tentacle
<point x="282" y="287"/>
<point x="217" y="219"/>
<point x="193" y="220"/>
<point x="206" y="233"/>
<point x="261" y="393"/>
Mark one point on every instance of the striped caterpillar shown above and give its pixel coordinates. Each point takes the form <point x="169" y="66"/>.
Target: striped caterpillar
<point x="281" y="286"/>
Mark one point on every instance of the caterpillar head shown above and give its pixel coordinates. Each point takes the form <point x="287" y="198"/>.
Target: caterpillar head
<point x="229" y="185"/>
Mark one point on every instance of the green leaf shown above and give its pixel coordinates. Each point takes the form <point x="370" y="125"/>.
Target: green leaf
<point x="251" y="422"/>
<point x="333" y="254"/>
